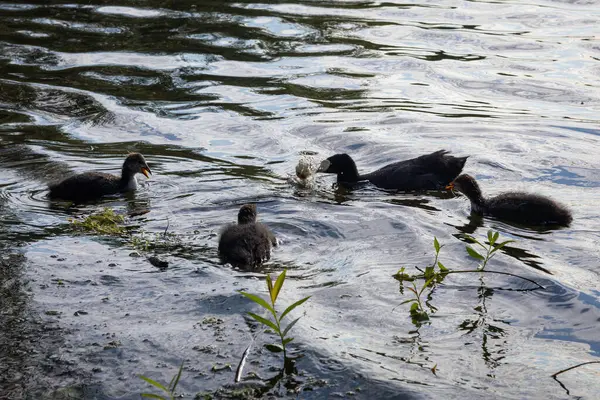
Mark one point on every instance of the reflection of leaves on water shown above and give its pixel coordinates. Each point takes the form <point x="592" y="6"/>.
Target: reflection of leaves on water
<point x="343" y="193"/>
<point x="417" y="353"/>
<point x="489" y="332"/>
<point x="323" y="285"/>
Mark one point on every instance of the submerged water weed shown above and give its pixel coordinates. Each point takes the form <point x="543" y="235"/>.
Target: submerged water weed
<point x="156" y="243"/>
<point x="274" y="290"/>
<point x="159" y="241"/>
<point x="106" y="222"/>
<point x="169" y="390"/>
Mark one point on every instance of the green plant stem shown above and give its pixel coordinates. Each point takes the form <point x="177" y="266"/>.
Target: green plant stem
<point x="437" y="256"/>
<point x="488" y="257"/>
<point x="425" y="286"/>
<point x="418" y="293"/>
<point x="279" y="332"/>
<point x="496" y="272"/>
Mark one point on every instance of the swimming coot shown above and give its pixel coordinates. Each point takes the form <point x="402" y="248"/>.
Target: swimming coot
<point x="525" y="208"/>
<point x="248" y="243"/>
<point x="93" y="185"/>
<point x="428" y="172"/>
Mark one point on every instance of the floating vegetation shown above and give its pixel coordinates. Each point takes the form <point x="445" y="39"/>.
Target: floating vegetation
<point x="274" y="289"/>
<point x="109" y="223"/>
<point x="158" y="242"/>
<point x="219" y="368"/>
<point x="106" y="222"/>
<point x="145" y="242"/>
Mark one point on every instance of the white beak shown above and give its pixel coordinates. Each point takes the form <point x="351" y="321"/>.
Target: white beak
<point x="325" y="164"/>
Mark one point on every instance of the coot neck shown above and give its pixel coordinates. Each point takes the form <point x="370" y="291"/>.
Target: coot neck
<point x="478" y="202"/>
<point x="128" y="180"/>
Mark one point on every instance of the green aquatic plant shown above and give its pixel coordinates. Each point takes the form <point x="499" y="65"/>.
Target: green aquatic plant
<point x="437" y="272"/>
<point x="169" y="390"/>
<point x="274" y="289"/>
<point x="140" y="242"/>
<point x="106" y="222"/>
<point x="159" y="241"/>
<point x="418" y="312"/>
<point x="490" y="249"/>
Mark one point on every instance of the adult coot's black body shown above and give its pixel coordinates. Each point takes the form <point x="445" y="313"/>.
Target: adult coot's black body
<point x="525" y="208"/>
<point x="428" y="172"/>
<point x="248" y="243"/>
<point x="93" y="185"/>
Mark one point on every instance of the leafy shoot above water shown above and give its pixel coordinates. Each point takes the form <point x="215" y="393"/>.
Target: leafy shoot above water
<point x="169" y="390"/>
<point x="437" y="272"/>
<point x="275" y="324"/>
<point x="418" y="312"/>
<point x="490" y="249"/>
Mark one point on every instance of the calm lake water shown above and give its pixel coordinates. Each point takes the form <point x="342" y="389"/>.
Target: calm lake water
<point x="223" y="98"/>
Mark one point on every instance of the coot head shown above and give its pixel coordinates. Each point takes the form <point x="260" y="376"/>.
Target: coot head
<point x="467" y="185"/>
<point x="247" y="214"/>
<point x="136" y="163"/>
<point x="341" y="164"/>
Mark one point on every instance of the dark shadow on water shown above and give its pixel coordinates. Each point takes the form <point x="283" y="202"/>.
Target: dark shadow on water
<point x="527" y="258"/>
<point x="475" y="222"/>
<point x="342" y="193"/>
<point x="416" y="203"/>
<point x="29" y="345"/>
<point x="519" y="254"/>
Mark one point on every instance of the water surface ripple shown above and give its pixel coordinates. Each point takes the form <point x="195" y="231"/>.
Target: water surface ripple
<point x="223" y="98"/>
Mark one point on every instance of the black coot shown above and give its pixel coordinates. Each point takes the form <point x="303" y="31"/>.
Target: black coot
<point x="248" y="243"/>
<point x="524" y="208"/>
<point x="428" y="172"/>
<point x="93" y="185"/>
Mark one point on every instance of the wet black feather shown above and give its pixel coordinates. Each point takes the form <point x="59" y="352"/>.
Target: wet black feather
<point x="520" y="207"/>
<point x="247" y="244"/>
<point x="93" y="185"/>
<point x="427" y="172"/>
